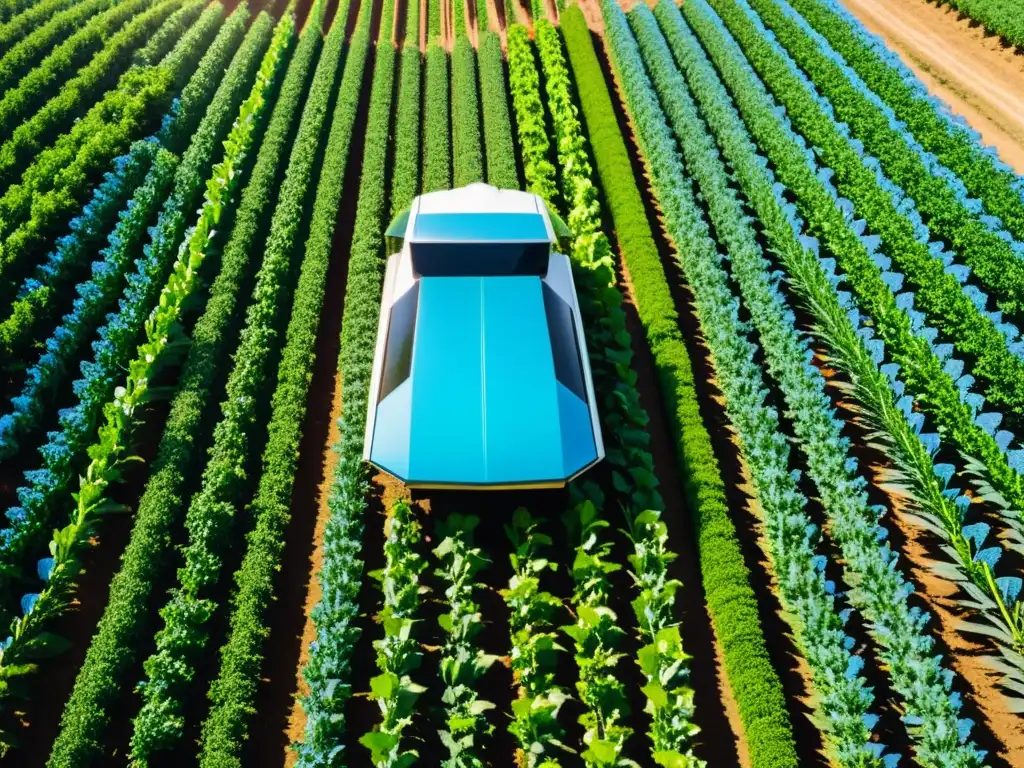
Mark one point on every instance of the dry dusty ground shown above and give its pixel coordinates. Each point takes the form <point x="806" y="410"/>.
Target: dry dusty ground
<point x="974" y="73"/>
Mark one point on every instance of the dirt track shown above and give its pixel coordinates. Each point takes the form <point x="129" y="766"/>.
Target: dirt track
<point x="972" y="72"/>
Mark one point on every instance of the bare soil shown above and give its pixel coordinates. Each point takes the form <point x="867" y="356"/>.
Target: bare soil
<point x="977" y="75"/>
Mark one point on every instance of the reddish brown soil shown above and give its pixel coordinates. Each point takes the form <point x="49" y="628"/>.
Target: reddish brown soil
<point x="973" y="72"/>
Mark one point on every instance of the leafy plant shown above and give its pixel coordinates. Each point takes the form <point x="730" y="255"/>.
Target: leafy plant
<point x="462" y="662"/>
<point x="20" y="18"/>
<point x="328" y="672"/>
<point x="792" y="542"/>
<point x="535" y="647"/>
<point x="956" y="312"/>
<point x="398" y="652"/>
<point x="524" y="83"/>
<point x="726" y="578"/>
<point x="115" y="647"/>
<point x="596" y="636"/>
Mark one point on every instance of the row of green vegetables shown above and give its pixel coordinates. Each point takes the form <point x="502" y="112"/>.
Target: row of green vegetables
<point x="978" y="239"/>
<point x="21" y="58"/>
<point x="791" y="538"/>
<point x="115" y="344"/>
<point x="62" y="165"/>
<point x="915" y="670"/>
<point x="55" y="168"/>
<point x="19" y="17"/>
<point x="232" y="693"/>
<point x="107" y="447"/>
<point x="1000" y="17"/>
<point x="237" y="439"/>
<point x="161" y="510"/>
<point x="726" y="578"/>
<point x="50" y="288"/>
<point x="940" y="507"/>
<point x="596" y="633"/>
<point x="328" y="671"/>
<point x="957" y="312"/>
<point x="857" y="106"/>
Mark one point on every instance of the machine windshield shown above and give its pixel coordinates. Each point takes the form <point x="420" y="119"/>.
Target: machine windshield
<point x="479" y="259"/>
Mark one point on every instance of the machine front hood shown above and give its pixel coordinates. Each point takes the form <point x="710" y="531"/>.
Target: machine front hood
<point x="482" y="405"/>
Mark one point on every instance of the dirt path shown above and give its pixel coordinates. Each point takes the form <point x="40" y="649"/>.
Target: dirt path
<point x="975" y="74"/>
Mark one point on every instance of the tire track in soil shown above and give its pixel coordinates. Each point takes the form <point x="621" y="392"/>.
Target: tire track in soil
<point x="785" y="657"/>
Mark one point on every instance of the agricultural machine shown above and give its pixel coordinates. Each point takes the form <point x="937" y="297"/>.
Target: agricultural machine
<point x="480" y="377"/>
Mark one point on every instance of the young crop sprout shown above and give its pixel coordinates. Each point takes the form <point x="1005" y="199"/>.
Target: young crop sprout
<point x="398" y="652"/>
<point x="462" y="662"/>
<point x="535" y="647"/>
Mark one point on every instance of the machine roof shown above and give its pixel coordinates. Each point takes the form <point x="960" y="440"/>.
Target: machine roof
<point x="480" y="227"/>
<point x="482" y="404"/>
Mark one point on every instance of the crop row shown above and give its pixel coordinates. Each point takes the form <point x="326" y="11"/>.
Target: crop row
<point x="56" y="182"/>
<point x="956" y="145"/>
<point x="162" y="505"/>
<point x="912" y="448"/>
<point x="928" y="367"/>
<point x="21" y="59"/>
<point x="234" y="692"/>
<point x="467" y="154"/>
<point x="40" y="498"/>
<point x="236" y="443"/>
<point x="108" y="453"/>
<point x="980" y="240"/>
<point x="596" y="635"/>
<point x="730" y="599"/>
<point x="20" y="17"/>
<point x="661" y="657"/>
<point x="792" y="540"/>
<point x="535" y="647"/>
<point x="434" y="8"/>
<point x="914" y="667"/>
<point x="956" y="312"/>
<point x="96" y="296"/>
<point x="500" y="154"/>
<point x="529" y="110"/>
<point x="992" y="453"/>
<point x="328" y="671"/>
<point x="27" y="133"/>
<point x="405" y="183"/>
<point x="436" y="148"/>
<point x="1001" y="17"/>
<point x="463" y="662"/>
<point x="399" y="654"/>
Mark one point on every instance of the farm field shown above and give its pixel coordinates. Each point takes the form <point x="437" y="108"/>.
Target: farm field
<point x="801" y="283"/>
